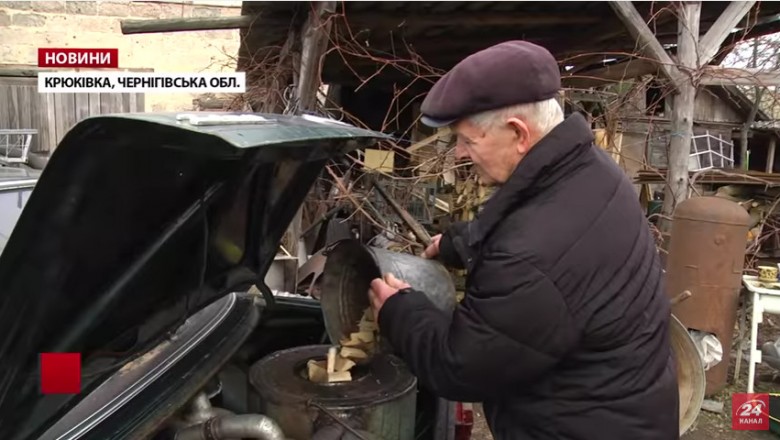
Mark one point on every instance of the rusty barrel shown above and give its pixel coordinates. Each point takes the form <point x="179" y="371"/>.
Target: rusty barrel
<point x="706" y="257"/>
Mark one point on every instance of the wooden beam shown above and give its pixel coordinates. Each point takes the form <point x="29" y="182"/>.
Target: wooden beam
<point x="441" y="133"/>
<point x="375" y="20"/>
<point x="721" y="76"/>
<point x="632" y="68"/>
<point x="661" y="26"/>
<point x="314" y="44"/>
<point x="728" y="20"/>
<point x="683" y="108"/>
<point x="649" y="45"/>
<point x="446" y="52"/>
<point x="129" y="27"/>
<point x="770" y="158"/>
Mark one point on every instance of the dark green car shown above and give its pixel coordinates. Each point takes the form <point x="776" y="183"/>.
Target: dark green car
<point x="137" y="248"/>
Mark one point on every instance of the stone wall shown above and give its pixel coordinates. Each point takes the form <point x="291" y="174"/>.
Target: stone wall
<point x="26" y="25"/>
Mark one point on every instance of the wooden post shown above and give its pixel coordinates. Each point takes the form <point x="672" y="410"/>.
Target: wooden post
<point x="743" y="148"/>
<point x="745" y="134"/>
<point x="692" y="54"/>
<point x="770" y="157"/>
<point x="682" y="108"/>
<point x="314" y="44"/>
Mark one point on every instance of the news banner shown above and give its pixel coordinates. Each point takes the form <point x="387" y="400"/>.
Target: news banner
<point x="103" y="78"/>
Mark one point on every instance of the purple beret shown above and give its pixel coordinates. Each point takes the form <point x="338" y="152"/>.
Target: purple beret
<point x="509" y="73"/>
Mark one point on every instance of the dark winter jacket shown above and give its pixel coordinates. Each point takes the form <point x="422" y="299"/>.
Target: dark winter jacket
<point x="563" y="332"/>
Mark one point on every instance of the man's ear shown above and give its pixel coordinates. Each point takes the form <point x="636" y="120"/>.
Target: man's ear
<point x="523" y="134"/>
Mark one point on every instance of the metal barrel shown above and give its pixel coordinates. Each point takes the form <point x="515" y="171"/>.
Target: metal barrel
<point x="351" y="266"/>
<point x="706" y="257"/>
<point x="380" y="401"/>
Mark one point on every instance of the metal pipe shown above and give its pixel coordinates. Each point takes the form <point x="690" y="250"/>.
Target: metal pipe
<point x="254" y="426"/>
<point x="201" y="404"/>
<point x="201" y="409"/>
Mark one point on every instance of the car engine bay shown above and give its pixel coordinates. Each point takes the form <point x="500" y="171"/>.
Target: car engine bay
<point x="237" y="369"/>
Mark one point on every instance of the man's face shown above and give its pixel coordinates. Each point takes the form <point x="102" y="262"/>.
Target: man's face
<point x="495" y="152"/>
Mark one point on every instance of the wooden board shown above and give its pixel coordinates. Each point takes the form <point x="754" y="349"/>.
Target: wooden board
<point x="379" y="160"/>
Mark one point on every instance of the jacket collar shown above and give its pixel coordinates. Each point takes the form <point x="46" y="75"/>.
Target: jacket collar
<point x="550" y="160"/>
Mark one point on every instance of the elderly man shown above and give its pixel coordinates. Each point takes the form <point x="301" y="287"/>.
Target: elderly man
<point x="563" y="332"/>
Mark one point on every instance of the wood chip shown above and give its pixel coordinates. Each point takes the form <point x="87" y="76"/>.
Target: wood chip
<point x="342" y="358"/>
<point x="353" y="341"/>
<point x="343" y="364"/>
<point x="367" y="326"/>
<point x="364" y="336"/>
<point x="317" y="371"/>
<point x="332" y="352"/>
<point x="340" y="376"/>
<point x="353" y="353"/>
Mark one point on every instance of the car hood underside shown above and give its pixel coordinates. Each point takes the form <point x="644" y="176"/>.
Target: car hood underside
<point x="142" y="219"/>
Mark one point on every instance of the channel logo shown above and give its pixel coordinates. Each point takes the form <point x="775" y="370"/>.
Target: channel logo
<point x="750" y="412"/>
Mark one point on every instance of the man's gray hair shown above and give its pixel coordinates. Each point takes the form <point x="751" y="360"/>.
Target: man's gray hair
<point x="543" y="116"/>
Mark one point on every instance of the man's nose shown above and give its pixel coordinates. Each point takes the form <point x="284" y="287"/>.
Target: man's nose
<point x="461" y="153"/>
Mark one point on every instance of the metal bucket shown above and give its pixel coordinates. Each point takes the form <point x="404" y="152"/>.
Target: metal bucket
<point x="691" y="381"/>
<point x="347" y="276"/>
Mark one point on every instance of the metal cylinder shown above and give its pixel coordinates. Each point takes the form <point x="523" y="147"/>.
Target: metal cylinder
<point x="378" y="403"/>
<point x="347" y="275"/>
<point x="706" y="257"/>
<point x="690" y="374"/>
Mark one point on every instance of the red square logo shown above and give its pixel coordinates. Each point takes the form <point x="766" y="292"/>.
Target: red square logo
<point x="750" y="412"/>
<point x="60" y="373"/>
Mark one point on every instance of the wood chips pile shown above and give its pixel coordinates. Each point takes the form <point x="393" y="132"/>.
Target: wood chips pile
<point x="336" y="368"/>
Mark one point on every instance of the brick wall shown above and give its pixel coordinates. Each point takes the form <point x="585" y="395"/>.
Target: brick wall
<point x="26" y="25"/>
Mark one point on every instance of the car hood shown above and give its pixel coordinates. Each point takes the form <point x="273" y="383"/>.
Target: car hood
<point x="140" y="220"/>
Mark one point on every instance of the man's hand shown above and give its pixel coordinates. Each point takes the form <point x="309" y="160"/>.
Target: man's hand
<point x="381" y="289"/>
<point x="432" y="251"/>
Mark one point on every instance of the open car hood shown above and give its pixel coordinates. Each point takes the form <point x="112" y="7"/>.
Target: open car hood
<point x="137" y="222"/>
